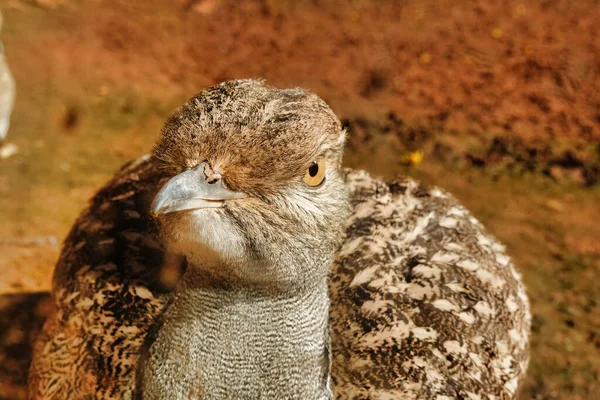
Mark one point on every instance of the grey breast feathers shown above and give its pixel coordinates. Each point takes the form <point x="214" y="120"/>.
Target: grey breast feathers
<point x="424" y="303"/>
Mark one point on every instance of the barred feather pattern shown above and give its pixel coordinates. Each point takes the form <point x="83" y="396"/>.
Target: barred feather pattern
<point x="424" y="303"/>
<point x="107" y="291"/>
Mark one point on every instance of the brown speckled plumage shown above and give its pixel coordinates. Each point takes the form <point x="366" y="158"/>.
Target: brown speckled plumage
<point x="424" y="303"/>
<point x="107" y="290"/>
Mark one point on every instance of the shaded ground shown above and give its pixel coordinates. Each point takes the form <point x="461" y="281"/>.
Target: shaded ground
<point x="26" y="313"/>
<point x="502" y="97"/>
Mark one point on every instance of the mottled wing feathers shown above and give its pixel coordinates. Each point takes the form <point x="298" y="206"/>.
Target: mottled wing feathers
<point x="109" y="285"/>
<point x="424" y="303"/>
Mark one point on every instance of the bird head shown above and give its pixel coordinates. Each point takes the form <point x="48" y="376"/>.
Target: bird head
<point x="255" y="193"/>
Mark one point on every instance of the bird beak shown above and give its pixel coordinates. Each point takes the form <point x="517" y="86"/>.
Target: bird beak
<point x="190" y="190"/>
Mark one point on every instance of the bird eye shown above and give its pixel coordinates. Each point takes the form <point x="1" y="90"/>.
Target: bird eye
<point x="315" y="174"/>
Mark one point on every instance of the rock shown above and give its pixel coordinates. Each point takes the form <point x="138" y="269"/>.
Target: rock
<point x="8" y="150"/>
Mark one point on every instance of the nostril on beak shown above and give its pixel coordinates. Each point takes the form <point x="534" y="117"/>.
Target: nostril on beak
<point x="210" y="175"/>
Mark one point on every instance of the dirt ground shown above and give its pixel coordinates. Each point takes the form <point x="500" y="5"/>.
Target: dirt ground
<point x="496" y="101"/>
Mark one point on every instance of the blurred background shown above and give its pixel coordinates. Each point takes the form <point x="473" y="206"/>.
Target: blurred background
<point x="497" y="101"/>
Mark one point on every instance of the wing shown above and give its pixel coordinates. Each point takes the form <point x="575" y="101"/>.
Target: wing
<point x="424" y="303"/>
<point x="111" y="281"/>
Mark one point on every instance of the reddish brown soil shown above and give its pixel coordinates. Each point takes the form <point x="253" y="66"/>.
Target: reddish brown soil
<point x="512" y="87"/>
<point x="505" y="82"/>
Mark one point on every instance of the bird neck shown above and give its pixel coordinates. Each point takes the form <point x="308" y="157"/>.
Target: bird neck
<point x="244" y="342"/>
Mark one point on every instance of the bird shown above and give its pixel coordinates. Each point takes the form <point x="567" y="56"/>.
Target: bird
<point x="242" y="260"/>
<point x="7" y="91"/>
